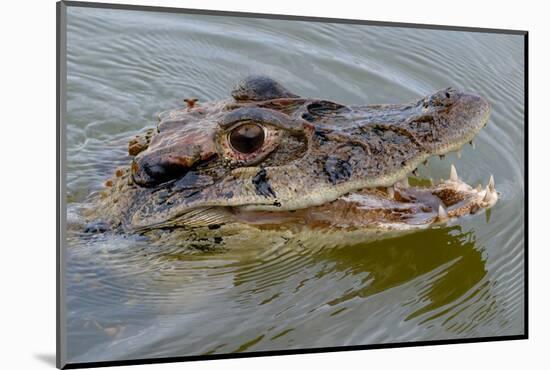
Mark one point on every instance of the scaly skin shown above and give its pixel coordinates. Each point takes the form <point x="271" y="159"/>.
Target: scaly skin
<point x="320" y="164"/>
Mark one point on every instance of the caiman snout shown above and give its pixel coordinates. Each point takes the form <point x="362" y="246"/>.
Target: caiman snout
<point x="448" y="119"/>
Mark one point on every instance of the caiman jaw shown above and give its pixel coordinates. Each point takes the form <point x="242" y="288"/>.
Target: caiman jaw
<point x="416" y="206"/>
<point x="399" y="207"/>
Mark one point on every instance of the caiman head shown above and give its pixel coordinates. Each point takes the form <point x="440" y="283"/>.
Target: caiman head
<point x="267" y="157"/>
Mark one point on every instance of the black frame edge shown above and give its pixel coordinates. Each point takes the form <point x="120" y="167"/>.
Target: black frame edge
<point x="526" y="180"/>
<point x="304" y="351"/>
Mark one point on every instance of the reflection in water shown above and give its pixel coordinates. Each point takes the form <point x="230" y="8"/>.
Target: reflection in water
<point x="450" y="269"/>
<point x="400" y="260"/>
<point x="272" y="290"/>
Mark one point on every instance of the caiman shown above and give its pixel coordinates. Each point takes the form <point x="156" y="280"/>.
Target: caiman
<point x="268" y="159"/>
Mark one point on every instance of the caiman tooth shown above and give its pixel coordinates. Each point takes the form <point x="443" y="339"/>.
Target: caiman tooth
<point x="459" y="154"/>
<point x="491" y="184"/>
<point x="425" y="163"/>
<point x="442" y="213"/>
<point x="478" y="188"/>
<point x="415" y="172"/>
<point x="391" y="192"/>
<point x="487" y="196"/>
<point x="473" y="144"/>
<point x="454" y="174"/>
<point x="404" y="182"/>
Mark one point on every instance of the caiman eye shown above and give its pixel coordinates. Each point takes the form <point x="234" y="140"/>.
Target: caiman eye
<point x="247" y="138"/>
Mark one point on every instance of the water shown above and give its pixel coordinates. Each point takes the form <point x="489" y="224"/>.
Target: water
<point x="127" y="299"/>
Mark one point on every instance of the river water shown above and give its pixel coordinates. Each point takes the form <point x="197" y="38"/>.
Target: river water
<point x="127" y="299"/>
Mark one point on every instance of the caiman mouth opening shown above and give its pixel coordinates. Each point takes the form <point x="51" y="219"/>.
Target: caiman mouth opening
<point x="398" y="207"/>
